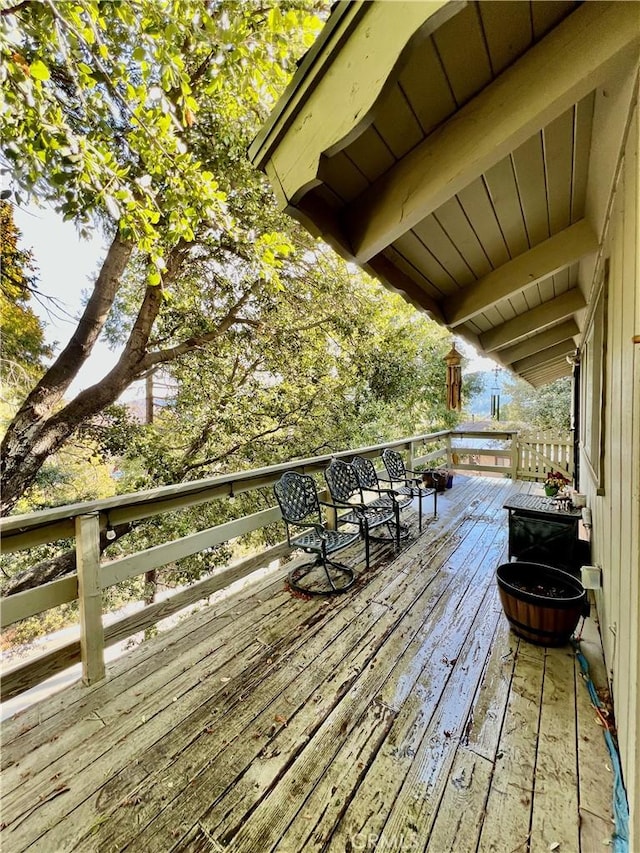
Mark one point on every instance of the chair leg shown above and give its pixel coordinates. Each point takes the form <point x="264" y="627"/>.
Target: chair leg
<point x="396" y="512"/>
<point x="435" y="503"/>
<point x="297" y="575"/>
<point x="420" y="509"/>
<point x="367" y="544"/>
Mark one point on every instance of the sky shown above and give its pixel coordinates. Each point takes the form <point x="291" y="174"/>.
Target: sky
<point x="66" y="267"/>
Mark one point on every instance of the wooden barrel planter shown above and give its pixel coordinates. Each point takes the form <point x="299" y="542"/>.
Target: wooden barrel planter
<point x="543" y="604"/>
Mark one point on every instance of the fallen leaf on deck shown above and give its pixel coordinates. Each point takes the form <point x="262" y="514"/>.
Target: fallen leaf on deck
<point x="280" y="719"/>
<point x="225" y="680"/>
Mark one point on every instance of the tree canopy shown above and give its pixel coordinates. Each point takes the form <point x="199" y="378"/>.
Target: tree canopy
<point x="547" y="407"/>
<point x="134" y="117"/>
<point x="101" y="120"/>
<point x="23" y="345"/>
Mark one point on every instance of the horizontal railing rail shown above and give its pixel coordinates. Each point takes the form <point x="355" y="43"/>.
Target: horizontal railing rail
<point x="85" y="521"/>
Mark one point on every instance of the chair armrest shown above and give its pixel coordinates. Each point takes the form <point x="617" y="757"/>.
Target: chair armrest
<point x="338" y="504"/>
<point x="380" y="491"/>
<point x="310" y="525"/>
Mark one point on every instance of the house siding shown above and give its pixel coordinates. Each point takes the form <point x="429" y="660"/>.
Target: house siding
<point x="615" y="501"/>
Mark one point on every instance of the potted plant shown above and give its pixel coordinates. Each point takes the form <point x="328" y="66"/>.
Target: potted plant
<point x="553" y="483"/>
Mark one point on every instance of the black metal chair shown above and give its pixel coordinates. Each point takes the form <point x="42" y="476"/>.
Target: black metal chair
<point x="411" y="481"/>
<point x="346" y="493"/>
<point x="369" y="481"/>
<point x="300" y="506"/>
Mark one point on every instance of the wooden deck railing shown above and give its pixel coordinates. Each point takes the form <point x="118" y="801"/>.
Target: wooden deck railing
<point x="496" y="451"/>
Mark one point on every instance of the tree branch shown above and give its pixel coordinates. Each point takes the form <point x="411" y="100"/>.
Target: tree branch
<point x="164" y="356"/>
<point x="11" y="10"/>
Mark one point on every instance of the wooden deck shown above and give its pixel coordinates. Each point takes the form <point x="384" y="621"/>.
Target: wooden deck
<point x="400" y="716"/>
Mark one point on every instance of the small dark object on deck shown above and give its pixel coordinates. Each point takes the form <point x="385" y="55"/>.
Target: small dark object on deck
<point x="436" y="480"/>
<point x="541" y="618"/>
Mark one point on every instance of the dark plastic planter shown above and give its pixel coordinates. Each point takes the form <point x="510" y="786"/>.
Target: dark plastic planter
<point x="538" y="618"/>
<point x="435" y="480"/>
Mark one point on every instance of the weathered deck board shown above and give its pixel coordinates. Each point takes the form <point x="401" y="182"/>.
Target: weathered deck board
<point x="508" y="808"/>
<point x="594" y="762"/>
<point x="556" y="764"/>
<point x="389" y="606"/>
<point x="147" y="731"/>
<point x="402" y="715"/>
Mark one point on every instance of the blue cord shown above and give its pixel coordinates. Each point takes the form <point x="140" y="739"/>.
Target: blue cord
<point x="620" y="804"/>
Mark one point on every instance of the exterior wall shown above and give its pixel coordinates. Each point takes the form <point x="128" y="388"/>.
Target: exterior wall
<point x="615" y="500"/>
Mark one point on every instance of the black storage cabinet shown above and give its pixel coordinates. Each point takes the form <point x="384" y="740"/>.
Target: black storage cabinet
<point x="540" y="533"/>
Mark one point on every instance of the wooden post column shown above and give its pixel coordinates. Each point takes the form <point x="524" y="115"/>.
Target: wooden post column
<point x="90" y="597"/>
<point x="515" y="454"/>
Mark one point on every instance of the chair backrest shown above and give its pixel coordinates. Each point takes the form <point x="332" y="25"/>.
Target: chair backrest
<point x="394" y="464"/>
<point x="366" y="472"/>
<point x="342" y="481"/>
<point x="298" y="499"/>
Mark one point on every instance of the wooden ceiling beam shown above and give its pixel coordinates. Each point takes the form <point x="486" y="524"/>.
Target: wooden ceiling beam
<point x="548" y="314"/>
<point x="333" y="101"/>
<point x="573" y="59"/>
<point x="545" y="259"/>
<point x="318" y="218"/>
<point x="554" y="369"/>
<point x="547" y="380"/>
<point x="395" y="279"/>
<point x="540" y="359"/>
<point x="541" y="341"/>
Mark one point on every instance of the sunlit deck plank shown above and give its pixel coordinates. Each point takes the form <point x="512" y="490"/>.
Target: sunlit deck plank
<point x="392" y="602"/>
<point x="303" y="725"/>
<point x="119" y="778"/>
<point x="508" y="808"/>
<point x="594" y="762"/>
<point x="461" y="811"/>
<point x="555" y="795"/>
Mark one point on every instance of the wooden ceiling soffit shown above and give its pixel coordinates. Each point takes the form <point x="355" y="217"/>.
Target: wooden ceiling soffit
<point x="540" y="341"/>
<point x="346" y="89"/>
<point x="553" y="75"/>
<point x="319" y="219"/>
<point x="550" y="373"/>
<point x="547" y="380"/>
<point x="544" y="357"/>
<point x="383" y="269"/>
<point x="559" y="362"/>
<point x="545" y="259"/>
<point x="539" y="318"/>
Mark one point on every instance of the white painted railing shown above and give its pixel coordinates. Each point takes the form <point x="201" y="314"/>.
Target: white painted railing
<point x="497" y="452"/>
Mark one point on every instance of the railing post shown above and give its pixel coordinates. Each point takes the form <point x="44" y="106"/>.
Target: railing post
<point x="515" y="454"/>
<point x="411" y="455"/>
<point x="448" y="443"/>
<point x="90" y="597"/>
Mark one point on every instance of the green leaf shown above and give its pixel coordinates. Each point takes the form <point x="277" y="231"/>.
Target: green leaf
<point x="39" y="70"/>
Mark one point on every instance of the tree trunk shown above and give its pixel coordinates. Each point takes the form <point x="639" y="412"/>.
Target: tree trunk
<point x="56" y="567"/>
<point x="29" y="439"/>
<point x="26" y="451"/>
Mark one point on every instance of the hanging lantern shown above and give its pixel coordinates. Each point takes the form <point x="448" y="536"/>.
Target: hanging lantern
<point x="454" y="379"/>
